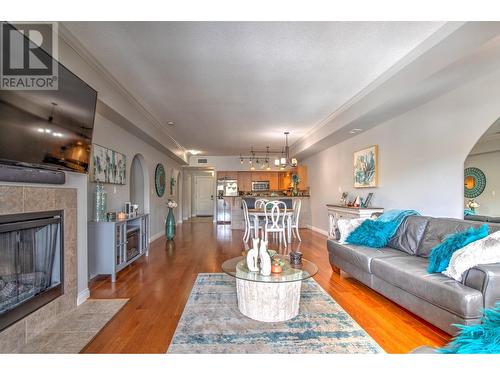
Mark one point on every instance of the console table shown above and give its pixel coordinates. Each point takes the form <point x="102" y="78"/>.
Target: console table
<point x="337" y="211"/>
<point x="113" y="245"/>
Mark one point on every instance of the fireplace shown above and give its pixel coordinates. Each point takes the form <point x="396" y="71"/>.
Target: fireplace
<point x="31" y="263"/>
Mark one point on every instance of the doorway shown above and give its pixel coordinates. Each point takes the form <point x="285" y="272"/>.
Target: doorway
<point x="204" y="195"/>
<point x="139" y="183"/>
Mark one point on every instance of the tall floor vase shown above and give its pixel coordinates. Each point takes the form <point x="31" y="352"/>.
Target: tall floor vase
<point x="170" y="225"/>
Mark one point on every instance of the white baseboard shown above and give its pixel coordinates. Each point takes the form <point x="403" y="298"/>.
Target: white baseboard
<point x="82" y="296"/>
<point x="319" y="230"/>
<point x="156" y="236"/>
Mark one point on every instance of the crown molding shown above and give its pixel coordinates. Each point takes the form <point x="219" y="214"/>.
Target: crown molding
<point x="72" y="41"/>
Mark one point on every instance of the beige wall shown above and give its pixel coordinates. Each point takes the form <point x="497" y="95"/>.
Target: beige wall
<point x="421" y="154"/>
<point x="109" y="134"/>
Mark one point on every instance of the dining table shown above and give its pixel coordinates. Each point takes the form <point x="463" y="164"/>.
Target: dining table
<point x="259" y="213"/>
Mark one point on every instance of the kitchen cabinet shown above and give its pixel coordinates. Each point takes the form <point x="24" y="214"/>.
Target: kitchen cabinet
<point x="277" y="180"/>
<point x="244" y="181"/>
<point x="227" y="175"/>
<point x="273" y="180"/>
<point x="284" y="180"/>
<point x="260" y="176"/>
<point x="301" y="171"/>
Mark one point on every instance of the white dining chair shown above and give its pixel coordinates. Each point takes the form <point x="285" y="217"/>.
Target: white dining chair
<point x="249" y="224"/>
<point x="297" y="204"/>
<point x="275" y="220"/>
<point x="260" y="203"/>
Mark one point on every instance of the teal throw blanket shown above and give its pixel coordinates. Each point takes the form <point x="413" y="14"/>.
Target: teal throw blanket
<point x="377" y="233"/>
<point x="483" y="338"/>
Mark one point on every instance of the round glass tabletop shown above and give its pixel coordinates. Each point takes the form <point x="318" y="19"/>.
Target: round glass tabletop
<point x="237" y="267"/>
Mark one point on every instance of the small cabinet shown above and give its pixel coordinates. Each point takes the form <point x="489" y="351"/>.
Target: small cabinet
<point x="120" y="243"/>
<point x="108" y="245"/>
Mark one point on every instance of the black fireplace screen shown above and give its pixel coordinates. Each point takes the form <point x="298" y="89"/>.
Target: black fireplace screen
<point x="30" y="262"/>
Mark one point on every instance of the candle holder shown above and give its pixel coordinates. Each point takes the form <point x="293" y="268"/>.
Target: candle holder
<point x="295" y="258"/>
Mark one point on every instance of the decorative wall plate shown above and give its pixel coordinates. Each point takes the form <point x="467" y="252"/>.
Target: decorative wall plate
<point x="474" y="182"/>
<point x="160" y="180"/>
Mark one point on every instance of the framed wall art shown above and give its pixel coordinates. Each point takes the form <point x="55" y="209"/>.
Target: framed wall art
<point x="366" y="167"/>
<point x="108" y="166"/>
<point x="160" y="180"/>
<point x="474" y="182"/>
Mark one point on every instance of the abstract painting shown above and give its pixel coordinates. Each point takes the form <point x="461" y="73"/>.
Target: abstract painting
<point x="108" y="166"/>
<point x="365" y="168"/>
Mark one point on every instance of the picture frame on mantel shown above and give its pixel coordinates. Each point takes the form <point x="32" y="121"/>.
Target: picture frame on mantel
<point x="108" y="166"/>
<point x="366" y="167"/>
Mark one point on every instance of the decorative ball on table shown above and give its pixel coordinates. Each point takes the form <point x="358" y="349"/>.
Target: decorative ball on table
<point x="170" y="220"/>
<point x="277" y="265"/>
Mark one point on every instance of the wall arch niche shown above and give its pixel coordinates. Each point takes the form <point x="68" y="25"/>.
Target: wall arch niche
<point x="174" y="191"/>
<point x="482" y="178"/>
<point x="139" y="183"/>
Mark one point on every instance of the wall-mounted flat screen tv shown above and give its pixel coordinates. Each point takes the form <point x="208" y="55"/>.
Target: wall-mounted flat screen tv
<point x="48" y="129"/>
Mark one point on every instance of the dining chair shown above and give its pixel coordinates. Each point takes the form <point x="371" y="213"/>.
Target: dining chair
<point x="249" y="224"/>
<point x="297" y="204"/>
<point x="275" y="220"/>
<point x="260" y="203"/>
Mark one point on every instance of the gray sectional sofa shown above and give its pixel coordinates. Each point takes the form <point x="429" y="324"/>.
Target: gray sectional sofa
<point x="399" y="272"/>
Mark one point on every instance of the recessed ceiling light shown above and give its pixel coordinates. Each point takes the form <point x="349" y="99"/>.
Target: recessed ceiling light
<point x="194" y="152"/>
<point x="171" y="123"/>
<point x="354" y="131"/>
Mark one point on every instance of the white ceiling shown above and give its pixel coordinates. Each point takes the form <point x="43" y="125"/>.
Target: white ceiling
<point x="231" y="85"/>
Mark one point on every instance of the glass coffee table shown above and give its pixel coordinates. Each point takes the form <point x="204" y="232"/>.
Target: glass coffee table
<point x="273" y="298"/>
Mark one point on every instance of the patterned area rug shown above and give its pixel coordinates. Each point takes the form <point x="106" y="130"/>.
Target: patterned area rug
<point x="212" y="323"/>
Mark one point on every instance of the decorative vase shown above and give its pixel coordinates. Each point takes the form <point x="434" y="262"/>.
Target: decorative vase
<point x="295" y="190"/>
<point x="100" y="202"/>
<point x="170" y="225"/>
<point x="265" y="259"/>
<point x="253" y="256"/>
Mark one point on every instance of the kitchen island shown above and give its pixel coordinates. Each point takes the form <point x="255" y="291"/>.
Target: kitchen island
<point x="237" y="220"/>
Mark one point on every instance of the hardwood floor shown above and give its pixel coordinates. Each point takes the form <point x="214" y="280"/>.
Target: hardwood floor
<point x="159" y="285"/>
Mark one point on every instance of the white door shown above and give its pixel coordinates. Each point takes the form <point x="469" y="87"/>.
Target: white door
<point x="204" y="191"/>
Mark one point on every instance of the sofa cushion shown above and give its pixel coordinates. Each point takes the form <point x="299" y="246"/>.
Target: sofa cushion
<point x="439" y="228"/>
<point x="409" y="234"/>
<point x="361" y="256"/>
<point x="410" y="274"/>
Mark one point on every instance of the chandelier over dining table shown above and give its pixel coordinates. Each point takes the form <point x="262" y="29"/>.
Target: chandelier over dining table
<point x="264" y="159"/>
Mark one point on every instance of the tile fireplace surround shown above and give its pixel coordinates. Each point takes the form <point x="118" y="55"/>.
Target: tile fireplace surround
<point x="18" y="199"/>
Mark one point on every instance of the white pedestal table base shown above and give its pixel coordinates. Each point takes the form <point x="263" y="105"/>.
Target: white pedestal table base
<point x="268" y="302"/>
